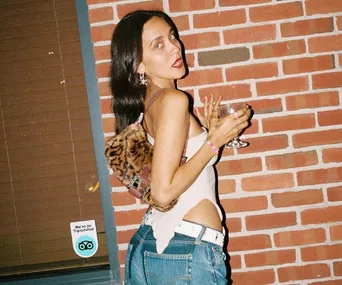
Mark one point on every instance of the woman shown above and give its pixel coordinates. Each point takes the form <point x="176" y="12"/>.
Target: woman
<point x="185" y="244"/>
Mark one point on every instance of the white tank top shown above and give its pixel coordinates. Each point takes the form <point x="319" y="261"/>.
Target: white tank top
<point x="164" y="223"/>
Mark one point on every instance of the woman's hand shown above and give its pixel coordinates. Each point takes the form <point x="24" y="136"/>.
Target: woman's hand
<point x="223" y="130"/>
<point x="210" y="111"/>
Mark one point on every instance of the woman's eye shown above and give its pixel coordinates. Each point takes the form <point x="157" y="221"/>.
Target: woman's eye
<point x="159" y="45"/>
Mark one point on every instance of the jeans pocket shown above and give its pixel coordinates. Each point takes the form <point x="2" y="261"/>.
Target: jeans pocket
<point x="168" y="269"/>
<point x="219" y="265"/>
<point x="127" y="267"/>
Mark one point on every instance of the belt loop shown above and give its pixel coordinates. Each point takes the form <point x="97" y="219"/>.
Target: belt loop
<point x="200" y="235"/>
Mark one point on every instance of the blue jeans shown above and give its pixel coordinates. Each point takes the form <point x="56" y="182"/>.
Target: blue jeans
<point x="185" y="261"/>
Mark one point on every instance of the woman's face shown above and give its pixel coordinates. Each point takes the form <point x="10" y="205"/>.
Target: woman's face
<point x="162" y="56"/>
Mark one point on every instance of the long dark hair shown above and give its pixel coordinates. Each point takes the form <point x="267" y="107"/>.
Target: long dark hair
<point x="126" y="55"/>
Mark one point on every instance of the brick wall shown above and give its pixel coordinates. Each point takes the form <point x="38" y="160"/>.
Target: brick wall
<point x="282" y="194"/>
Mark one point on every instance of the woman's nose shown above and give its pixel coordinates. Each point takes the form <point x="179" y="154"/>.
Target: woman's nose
<point x="175" y="46"/>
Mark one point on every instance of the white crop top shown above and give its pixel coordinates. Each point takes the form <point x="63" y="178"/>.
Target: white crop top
<point x="164" y="223"/>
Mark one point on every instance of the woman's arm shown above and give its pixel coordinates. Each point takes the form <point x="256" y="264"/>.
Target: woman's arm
<point x="171" y="120"/>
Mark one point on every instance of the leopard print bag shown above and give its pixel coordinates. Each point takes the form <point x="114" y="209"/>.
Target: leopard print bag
<point x="129" y="154"/>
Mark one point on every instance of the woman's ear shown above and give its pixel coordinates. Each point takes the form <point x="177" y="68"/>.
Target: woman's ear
<point x="141" y="68"/>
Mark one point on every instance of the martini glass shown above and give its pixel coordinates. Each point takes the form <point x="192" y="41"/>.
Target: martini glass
<point x="228" y="109"/>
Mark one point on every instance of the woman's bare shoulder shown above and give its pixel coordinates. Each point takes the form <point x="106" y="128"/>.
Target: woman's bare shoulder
<point x="173" y="97"/>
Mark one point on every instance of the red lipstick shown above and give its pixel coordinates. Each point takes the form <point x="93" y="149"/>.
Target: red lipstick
<point x="178" y="63"/>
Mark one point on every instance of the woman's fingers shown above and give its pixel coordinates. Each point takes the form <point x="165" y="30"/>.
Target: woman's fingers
<point x="211" y="104"/>
<point x="243" y="111"/>
<point x="199" y="116"/>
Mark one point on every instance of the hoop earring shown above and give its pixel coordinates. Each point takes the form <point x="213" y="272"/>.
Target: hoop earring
<point x="142" y="79"/>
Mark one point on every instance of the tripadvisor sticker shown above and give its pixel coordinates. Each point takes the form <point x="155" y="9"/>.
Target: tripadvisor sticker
<point x="84" y="238"/>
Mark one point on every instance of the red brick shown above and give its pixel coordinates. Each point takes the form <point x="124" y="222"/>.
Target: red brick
<point x="265" y="106"/>
<point x="234" y="225"/>
<point x="122" y="256"/>
<point x="114" y="181"/>
<point x="104" y="88"/>
<point x="202" y="77"/>
<point x="226" y="186"/>
<point x="308" y="64"/>
<point x="311" y="271"/>
<point x="340" y="59"/>
<point x="182" y="22"/>
<point x="122" y="269"/>
<point x="253" y="128"/>
<point x="317" y="138"/>
<point x="268" y="143"/>
<point x="245" y="204"/>
<point x="241" y="2"/>
<point x="219" y="19"/>
<point x="267" y="182"/>
<point x="291" y="160"/>
<point x="279" y="49"/>
<point x="274" y="257"/>
<point x="286" y="123"/>
<point x="124" y="218"/>
<point x="123" y="9"/>
<point x="335" y="193"/>
<point x="281" y="86"/>
<point x="227" y="152"/>
<point x="102" y="33"/>
<point x="232" y="167"/>
<point x="201" y="40"/>
<point x="235" y="261"/>
<point x="299" y="237"/>
<point x="327" y="80"/>
<point x="319" y="176"/>
<point x="325" y="43"/>
<point x="106" y="106"/>
<point x="321" y="252"/>
<point x="259" y="277"/>
<point x="270" y="221"/>
<point x="312" y="100"/>
<point x="101" y="14"/>
<point x="125" y="236"/>
<point x="328" y="118"/>
<point x="102" y="52"/>
<point x="307" y="27"/>
<point x="192" y="5"/>
<point x="108" y="125"/>
<point x="122" y="198"/>
<point x="322" y="215"/>
<point x="298" y="198"/>
<point x="339" y="22"/>
<point x="249" y="242"/>
<point x="190" y="59"/>
<point x="276" y="12"/>
<point x="228" y="92"/>
<point x="336" y="232"/>
<point x="325" y="7"/>
<point x="102" y="70"/>
<point x="338" y="268"/>
<point x="250" y="34"/>
<point x="253" y="71"/>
